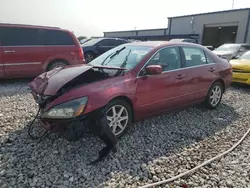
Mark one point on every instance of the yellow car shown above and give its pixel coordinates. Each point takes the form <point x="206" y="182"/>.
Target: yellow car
<point x="241" y="68"/>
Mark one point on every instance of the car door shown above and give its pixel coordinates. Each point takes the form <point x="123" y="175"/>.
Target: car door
<point x="162" y="92"/>
<point x="103" y="46"/>
<point x="23" y="52"/>
<point x="201" y="69"/>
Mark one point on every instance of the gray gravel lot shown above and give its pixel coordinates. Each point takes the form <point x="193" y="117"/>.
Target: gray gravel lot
<point x="153" y="150"/>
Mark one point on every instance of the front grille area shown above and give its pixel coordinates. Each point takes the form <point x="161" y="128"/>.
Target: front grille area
<point x="237" y="70"/>
<point x="241" y="71"/>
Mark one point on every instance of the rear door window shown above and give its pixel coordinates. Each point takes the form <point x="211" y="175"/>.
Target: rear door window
<point x="12" y="36"/>
<point x="106" y="42"/>
<point x="57" y="37"/>
<point x="194" y="56"/>
<point x="117" y="42"/>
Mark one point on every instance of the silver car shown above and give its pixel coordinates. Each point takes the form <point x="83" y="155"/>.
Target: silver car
<point x="231" y="51"/>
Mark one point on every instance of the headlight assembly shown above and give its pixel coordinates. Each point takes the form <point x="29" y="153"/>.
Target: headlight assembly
<point x="68" y="109"/>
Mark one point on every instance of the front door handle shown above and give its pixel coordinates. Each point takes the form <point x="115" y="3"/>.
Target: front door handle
<point x="180" y="76"/>
<point x="9" y="51"/>
<point x="211" y="69"/>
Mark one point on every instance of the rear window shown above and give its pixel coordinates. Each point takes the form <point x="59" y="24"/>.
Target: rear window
<point x="11" y="36"/>
<point x="57" y="37"/>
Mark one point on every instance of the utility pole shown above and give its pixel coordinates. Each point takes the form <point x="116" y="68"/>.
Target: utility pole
<point x="232" y="4"/>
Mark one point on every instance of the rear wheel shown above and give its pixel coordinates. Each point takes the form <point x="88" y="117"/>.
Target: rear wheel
<point x="89" y="57"/>
<point x="214" y="96"/>
<point x="119" y="117"/>
<point x="56" y="64"/>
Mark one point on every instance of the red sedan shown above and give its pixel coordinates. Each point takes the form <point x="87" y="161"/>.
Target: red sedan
<point x="128" y="83"/>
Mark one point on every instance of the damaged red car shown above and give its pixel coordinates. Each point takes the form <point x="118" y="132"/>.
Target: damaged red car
<point x="128" y="83"/>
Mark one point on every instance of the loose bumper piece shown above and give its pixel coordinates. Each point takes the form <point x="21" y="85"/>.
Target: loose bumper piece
<point x="74" y="129"/>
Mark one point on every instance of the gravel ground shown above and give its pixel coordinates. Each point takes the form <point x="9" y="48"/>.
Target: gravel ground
<point x="153" y="150"/>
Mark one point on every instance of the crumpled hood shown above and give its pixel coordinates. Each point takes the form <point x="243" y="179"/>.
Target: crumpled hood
<point x="241" y="64"/>
<point x="49" y="83"/>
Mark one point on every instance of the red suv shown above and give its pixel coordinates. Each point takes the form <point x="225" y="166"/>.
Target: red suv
<point x="27" y="51"/>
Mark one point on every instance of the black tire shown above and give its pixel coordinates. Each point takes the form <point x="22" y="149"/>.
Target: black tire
<point x="56" y="64"/>
<point x="208" y="101"/>
<point x="89" y="56"/>
<point x="123" y="103"/>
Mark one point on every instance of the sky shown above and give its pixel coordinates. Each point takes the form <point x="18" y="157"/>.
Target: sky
<point x="93" y="17"/>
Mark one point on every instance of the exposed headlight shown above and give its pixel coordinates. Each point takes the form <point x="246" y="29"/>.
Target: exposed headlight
<point x="67" y="110"/>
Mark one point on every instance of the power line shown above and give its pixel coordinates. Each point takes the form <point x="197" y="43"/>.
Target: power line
<point x="232" y="4"/>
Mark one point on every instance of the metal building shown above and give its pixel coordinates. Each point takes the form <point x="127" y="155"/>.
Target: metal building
<point x="214" y="28"/>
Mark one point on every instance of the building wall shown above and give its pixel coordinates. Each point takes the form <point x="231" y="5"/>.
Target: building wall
<point x="183" y="25"/>
<point x="248" y="31"/>
<point x="149" y="32"/>
<point x="120" y="34"/>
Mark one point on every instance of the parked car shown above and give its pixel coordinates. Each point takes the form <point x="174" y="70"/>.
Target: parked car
<point x="241" y="68"/>
<point x="129" y="83"/>
<point x="230" y="51"/>
<point x="184" y="40"/>
<point x="27" y="51"/>
<point x="83" y="41"/>
<point x="95" y="47"/>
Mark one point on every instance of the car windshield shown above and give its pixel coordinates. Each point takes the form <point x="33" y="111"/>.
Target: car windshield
<point x="228" y="47"/>
<point x="131" y="54"/>
<point x="245" y="56"/>
<point x="92" y="42"/>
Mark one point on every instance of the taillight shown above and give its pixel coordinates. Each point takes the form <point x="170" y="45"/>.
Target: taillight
<point x="80" y="54"/>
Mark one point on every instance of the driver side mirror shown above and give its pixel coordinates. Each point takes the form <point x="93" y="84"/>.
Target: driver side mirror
<point x="153" y="70"/>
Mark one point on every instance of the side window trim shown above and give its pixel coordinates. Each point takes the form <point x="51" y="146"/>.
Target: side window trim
<point x="141" y="70"/>
<point x="183" y="59"/>
<point x="208" y="57"/>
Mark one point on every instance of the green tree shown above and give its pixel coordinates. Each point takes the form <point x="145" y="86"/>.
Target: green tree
<point x="81" y="37"/>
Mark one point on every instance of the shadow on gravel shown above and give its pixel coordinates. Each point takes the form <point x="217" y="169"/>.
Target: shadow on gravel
<point x="54" y="161"/>
<point x="242" y="87"/>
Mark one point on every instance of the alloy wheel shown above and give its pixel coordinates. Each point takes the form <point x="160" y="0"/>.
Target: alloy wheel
<point x="117" y="117"/>
<point x="89" y="57"/>
<point x="215" y="95"/>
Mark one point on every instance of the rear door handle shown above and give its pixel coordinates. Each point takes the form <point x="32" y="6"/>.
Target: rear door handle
<point x="9" y="51"/>
<point x="180" y="76"/>
<point x="211" y="69"/>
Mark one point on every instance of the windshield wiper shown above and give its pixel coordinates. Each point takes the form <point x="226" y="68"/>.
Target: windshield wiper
<point x="125" y="60"/>
<point x="124" y="63"/>
<point x="112" y="55"/>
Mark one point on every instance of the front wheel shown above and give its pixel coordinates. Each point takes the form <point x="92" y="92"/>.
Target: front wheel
<point x="119" y="117"/>
<point x="214" y="96"/>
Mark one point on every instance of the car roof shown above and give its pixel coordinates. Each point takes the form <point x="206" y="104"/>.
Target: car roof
<point x="236" y="43"/>
<point x="29" y="26"/>
<point x="162" y="43"/>
<point x="101" y="38"/>
<point x="149" y="43"/>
